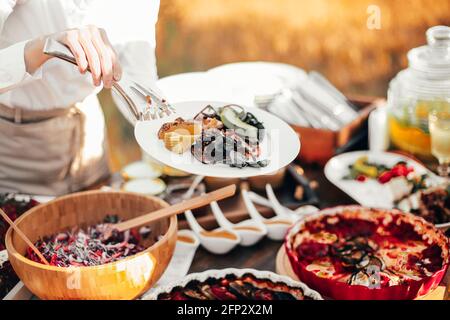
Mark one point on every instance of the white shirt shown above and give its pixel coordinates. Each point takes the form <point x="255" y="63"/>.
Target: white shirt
<point x="129" y="24"/>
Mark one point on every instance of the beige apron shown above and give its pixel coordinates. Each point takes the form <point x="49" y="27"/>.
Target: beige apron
<point x="52" y="152"/>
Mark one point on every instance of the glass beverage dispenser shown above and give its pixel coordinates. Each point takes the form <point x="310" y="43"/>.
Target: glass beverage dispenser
<point x="416" y="91"/>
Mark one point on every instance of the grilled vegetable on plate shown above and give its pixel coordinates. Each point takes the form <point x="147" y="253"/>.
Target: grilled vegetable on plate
<point x="225" y="140"/>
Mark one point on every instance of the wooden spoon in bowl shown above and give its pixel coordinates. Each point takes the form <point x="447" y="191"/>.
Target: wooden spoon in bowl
<point x="178" y="208"/>
<point x="24" y="237"/>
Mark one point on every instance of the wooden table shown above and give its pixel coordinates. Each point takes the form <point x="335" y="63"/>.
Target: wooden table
<point x="262" y="256"/>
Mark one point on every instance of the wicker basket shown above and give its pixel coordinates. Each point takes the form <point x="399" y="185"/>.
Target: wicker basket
<point x="124" y="279"/>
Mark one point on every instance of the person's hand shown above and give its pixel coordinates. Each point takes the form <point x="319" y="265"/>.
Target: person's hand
<point x="91" y="48"/>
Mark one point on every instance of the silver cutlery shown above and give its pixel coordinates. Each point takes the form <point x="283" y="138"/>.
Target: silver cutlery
<point x="319" y="79"/>
<point x="313" y="102"/>
<point x="320" y="97"/>
<point x="314" y="112"/>
<point x="156" y="106"/>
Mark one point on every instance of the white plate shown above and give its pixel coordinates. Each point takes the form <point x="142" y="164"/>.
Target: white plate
<point x="242" y="81"/>
<point x="235" y="82"/>
<point x="281" y="146"/>
<point x="369" y="193"/>
<point x="285" y="73"/>
<point x="190" y="86"/>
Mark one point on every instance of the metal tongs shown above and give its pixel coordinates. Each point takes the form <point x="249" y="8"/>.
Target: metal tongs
<point x="163" y="108"/>
<point x="156" y="107"/>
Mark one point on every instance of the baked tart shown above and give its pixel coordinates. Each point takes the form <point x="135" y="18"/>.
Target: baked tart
<point x="235" y="284"/>
<point x="353" y="252"/>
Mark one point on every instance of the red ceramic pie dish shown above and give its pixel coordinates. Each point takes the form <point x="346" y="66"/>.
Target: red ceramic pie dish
<point x="357" y="253"/>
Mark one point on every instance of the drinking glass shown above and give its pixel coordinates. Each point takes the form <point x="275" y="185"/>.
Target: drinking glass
<point x="439" y="125"/>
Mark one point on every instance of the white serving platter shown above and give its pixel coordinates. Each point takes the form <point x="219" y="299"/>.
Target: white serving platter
<point x="281" y="145"/>
<point x="369" y="193"/>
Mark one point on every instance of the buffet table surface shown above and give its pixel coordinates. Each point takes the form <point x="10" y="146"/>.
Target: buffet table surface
<point x="262" y="256"/>
<point x="265" y="254"/>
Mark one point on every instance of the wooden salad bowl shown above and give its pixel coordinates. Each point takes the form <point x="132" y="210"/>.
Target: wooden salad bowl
<point x="124" y="279"/>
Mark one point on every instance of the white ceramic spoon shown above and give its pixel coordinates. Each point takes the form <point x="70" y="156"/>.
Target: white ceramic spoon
<point x="276" y="205"/>
<point x="276" y="226"/>
<point x="217" y="245"/>
<point x="298" y="213"/>
<point x="249" y="230"/>
<point x="183" y="255"/>
<point x="443" y="226"/>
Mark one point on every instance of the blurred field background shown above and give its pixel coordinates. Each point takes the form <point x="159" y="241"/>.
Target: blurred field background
<point x="330" y="36"/>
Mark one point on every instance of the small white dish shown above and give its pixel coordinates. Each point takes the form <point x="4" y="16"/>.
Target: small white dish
<point x="369" y="193"/>
<point x="277" y="226"/>
<point x="149" y="187"/>
<point x="141" y="170"/>
<point x="249" y="230"/>
<point x="188" y="234"/>
<point x="216" y="245"/>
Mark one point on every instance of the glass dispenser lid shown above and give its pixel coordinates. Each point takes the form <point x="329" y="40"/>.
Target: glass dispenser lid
<point x="434" y="58"/>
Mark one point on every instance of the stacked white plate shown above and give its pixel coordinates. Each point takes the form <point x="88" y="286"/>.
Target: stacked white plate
<point x="238" y="83"/>
<point x="188" y="87"/>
